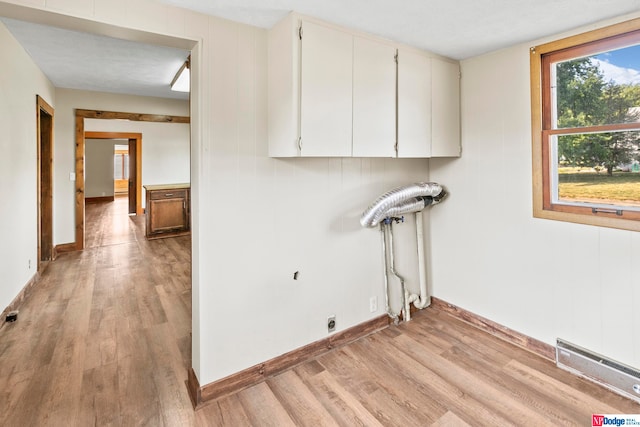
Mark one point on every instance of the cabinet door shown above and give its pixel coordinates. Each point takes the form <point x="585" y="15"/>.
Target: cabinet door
<point x="414" y="104"/>
<point x="283" y="88"/>
<point x="374" y="99"/>
<point x="445" y="108"/>
<point x="168" y="215"/>
<point x="326" y="91"/>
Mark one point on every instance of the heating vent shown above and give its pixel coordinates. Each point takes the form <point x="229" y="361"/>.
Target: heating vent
<point x="616" y="376"/>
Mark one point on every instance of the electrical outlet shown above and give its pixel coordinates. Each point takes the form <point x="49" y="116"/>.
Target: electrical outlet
<point x="373" y="304"/>
<point x="331" y="323"/>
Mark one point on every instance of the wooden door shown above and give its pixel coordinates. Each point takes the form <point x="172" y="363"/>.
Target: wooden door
<point x="45" y="180"/>
<point x="133" y="188"/>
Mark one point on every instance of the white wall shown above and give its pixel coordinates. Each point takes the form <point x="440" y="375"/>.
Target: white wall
<point x="544" y="278"/>
<point x="98" y="162"/>
<point x="165" y="146"/>
<point x="263" y="219"/>
<point x="20" y="82"/>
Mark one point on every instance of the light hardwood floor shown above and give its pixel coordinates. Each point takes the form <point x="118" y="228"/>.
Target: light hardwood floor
<point x="104" y="339"/>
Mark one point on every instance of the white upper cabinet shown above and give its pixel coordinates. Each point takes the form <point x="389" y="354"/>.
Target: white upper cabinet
<point x="445" y="108"/>
<point x="414" y="104"/>
<point x="326" y="91"/>
<point x="374" y="98"/>
<point x="333" y="92"/>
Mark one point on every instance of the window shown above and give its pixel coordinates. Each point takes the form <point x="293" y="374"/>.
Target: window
<point x="585" y="93"/>
<point x="121" y="165"/>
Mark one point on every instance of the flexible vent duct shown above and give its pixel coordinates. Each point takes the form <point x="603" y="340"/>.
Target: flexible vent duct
<point x="388" y="207"/>
<point x="402" y="200"/>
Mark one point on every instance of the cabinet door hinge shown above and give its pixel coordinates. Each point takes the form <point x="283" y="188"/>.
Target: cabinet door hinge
<point x="300" y="32"/>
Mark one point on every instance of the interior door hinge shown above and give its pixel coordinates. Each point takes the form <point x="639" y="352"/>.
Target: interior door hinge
<point x="300" y="32"/>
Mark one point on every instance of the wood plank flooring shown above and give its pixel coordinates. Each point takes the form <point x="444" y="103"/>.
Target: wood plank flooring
<point x="104" y="339"/>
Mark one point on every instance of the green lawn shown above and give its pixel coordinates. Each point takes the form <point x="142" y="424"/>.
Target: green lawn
<point x="621" y="187"/>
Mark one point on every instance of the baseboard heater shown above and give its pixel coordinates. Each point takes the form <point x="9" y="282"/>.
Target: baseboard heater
<point x="616" y="376"/>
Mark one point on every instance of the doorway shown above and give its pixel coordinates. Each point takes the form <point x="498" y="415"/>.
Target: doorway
<point x="134" y="187"/>
<point x="81" y="115"/>
<point x="44" y="118"/>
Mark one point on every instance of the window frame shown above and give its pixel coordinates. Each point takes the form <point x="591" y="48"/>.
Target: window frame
<point x="124" y="154"/>
<point x="542" y="56"/>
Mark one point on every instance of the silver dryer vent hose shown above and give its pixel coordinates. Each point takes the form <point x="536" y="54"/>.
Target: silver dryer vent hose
<point x="402" y="200"/>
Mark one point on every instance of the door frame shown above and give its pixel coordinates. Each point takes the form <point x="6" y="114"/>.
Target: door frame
<point x="131" y="137"/>
<point x="80" y="116"/>
<point x="44" y="144"/>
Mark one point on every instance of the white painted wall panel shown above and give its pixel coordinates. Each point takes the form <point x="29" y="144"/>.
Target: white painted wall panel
<point x="99" y="167"/>
<point x="616" y="292"/>
<point x="445" y="108"/>
<point x="20" y="82"/>
<point x="546" y="279"/>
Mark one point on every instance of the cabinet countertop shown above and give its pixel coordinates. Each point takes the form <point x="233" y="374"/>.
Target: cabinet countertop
<point x="162" y="187"/>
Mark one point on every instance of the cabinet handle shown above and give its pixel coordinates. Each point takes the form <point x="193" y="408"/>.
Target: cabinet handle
<point x="300" y="143"/>
<point x="168" y="194"/>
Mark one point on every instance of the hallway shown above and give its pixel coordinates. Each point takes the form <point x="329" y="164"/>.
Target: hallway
<point x="104" y="337"/>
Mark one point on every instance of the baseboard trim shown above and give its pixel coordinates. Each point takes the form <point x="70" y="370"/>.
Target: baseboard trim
<point x="99" y="199"/>
<point x="193" y="387"/>
<point x="17" y="301"/>
<point x="65" y="247"/>
<point x="201" y="395"/>
<point x="531" y="344"/>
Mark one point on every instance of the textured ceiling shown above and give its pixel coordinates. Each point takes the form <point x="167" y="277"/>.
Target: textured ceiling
<point x="75" y="60"/>
<point x="455" y="28"/>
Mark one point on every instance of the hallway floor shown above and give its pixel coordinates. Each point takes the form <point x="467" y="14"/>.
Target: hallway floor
<point x="104" y="338"/>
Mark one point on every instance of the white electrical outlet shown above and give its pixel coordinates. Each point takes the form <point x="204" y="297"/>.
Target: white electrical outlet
<point x="373" y="304"/>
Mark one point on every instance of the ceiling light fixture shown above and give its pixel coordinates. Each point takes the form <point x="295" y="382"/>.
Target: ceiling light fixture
<point x="181" y="82"/>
